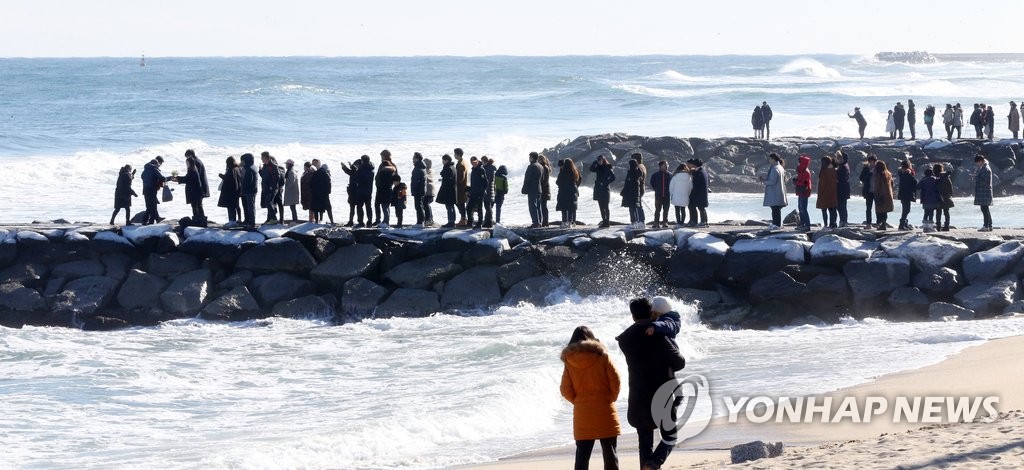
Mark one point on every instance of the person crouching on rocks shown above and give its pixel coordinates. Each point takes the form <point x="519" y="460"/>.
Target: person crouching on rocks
<point x="591" y="383"/>
<point x="123" y="194"/>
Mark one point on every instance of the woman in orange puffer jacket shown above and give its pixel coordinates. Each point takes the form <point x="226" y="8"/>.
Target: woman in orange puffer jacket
<point x="591" y="383"/>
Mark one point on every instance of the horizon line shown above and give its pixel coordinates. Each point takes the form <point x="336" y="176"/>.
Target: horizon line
<point x="484" y="56"/>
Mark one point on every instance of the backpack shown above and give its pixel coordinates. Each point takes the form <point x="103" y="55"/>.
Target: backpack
<point x="500" y="184"/>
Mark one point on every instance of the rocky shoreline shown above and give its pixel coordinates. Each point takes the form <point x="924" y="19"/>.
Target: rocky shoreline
<point x="100" y="277"/>
<point x="735" y="164"/>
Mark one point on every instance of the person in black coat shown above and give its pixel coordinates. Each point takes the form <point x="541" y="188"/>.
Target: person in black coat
<point x="418" y="186"/>
<point x="651" y="362"/>
<point x="533" y="190"/>
<point x="604" y="178"/>
<point x="477" y="190"/>
<point x="123" y="194"/>
<point x="699" y="193"/>
<point x="911" y="119"/>
<point x="568" y="182"/>
<point x="489" y="172"/>
<point x="250" y="186"/>
<point x="861" y="122"/>
<point x="350" y="190"/>
<point x="447" y="194"/>
<point x="631" y="190"/>
<point x="659" y="183"/>
<point x="152" y="181"/>
<point x="198" y="213"/>
<point x="230" y="189"/>
<point x="321" y="194"/>
<point x="907" y="192"/>
<point x="384" y="182"/>
<point x="842" y="186"/>
<point x="270" y="187"/>
<point x="898" y="116"/>
<point x="867" y="175"/>
<point x="364" y="190"/>
<point x="766" y="114"/>
<point x="194" y="191"/>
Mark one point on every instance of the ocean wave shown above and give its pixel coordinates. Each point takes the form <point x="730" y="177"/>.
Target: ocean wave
<point x="677" y="77"/>
<point x="809" y="67"/>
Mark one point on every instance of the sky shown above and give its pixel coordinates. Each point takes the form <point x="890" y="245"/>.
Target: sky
<point x="128" y="28"/>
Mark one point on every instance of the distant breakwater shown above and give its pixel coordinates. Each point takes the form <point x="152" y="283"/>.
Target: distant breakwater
<point x="736" y="164"/>
<point x="740" y="275"/>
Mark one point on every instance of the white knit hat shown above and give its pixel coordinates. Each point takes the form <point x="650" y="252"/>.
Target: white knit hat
<point x="661" y="305"/>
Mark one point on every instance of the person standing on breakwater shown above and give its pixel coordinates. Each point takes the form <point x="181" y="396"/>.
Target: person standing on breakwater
<point x="842" y="161"/>
<point x="958" y="119"/>
<point x="890" y="125"/>
<point x="679" y="192"/>
<point x="1014" y="118"/>
<point x="489" y="173"/>
<point x="532" y="189"/>
<point x="827" y="192"/>
<point x="250" y="186"/>
<point x="899" y="115"/>
<point x="350" y="191"/>
<point x="907" y="193"/>
<point x="945" y="184"/>
<point x="194" y="191"/>
<point x="911" y="119"/>
<point x="882" y="185"/>
<point x="364" y="190"/>
<point x="477" y="183"/>
<point x="461" y="186"/>
<point x="652" y="361"/>
<point x="983" y="191"/>
<point x="545" y="188"/>
<point x="399" y="194"/>
<point x="428" y="197"/>
<point x="766" y="113"/>
<point x="775" y="190"/>
<point x="152" y="181"/>
<point x="500" y="190"/>
<point x="861" y="122"/>
<point x="384" y="182"/>
<point x="321" y="189"/>
<point x="291" y="197"/>
<point x="198" y="213"/>
<point x="757" y="121"/>
<point x="698" y="194"/>
<point x="123" y="194"/>
<point x="977" y="120"/>
<point x="271" y="182"/>
<point x="928" y="186"/>
<point x="568" y="183"/>
<point x="642" y="217"/>
<point x="947" y="121"/>
<point x="230" y="190"/>
<point x="803" y="191"/>
<point x="603" y="177"/>
<point x="990" y="123"/>
<point x="447" y="193"/>
<point x="929" y="120"/>
<point x="867" y="174"/>
<point x="630" y="193"/>
<point x="418" y="184"/>
<point x="660" y="181"/>
<point x="306" y="192"/>
<point x="591" y="383"/>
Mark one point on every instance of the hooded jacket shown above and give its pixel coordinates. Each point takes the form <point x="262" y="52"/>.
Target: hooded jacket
<point x="828" y="182"/>
<point x="803" y="177"/>
<point x="929" y="188"/>
<point x="591" y="383"/>
<point x="907" y="186"/>
<point x="652" y="360"/>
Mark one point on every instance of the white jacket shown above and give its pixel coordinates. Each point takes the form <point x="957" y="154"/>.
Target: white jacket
<point x="679" y="188"/>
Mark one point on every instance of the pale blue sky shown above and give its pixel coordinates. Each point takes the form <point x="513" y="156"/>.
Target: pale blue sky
<point x="52" y="28"/>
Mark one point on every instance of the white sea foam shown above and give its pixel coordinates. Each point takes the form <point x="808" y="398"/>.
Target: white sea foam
<point x="809" y="67"/>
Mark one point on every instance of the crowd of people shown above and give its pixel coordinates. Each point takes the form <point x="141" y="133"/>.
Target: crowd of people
<point x="591" y="383"/>
<point x="983" y="120"/>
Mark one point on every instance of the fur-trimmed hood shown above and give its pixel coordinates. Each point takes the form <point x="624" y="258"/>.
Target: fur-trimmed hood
<point x="583" y="354"/>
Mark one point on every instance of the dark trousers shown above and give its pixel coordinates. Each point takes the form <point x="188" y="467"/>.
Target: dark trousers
<point x="860" y="130"/>
<point x="801" y="204"/>
<point x="428" y="213"/>
<point x="640" y="215"/>
<point x="585" y="448"/>
<point x="869" y="202"/>
<point x="417" y="204"/>
<point x="703" y="219"/>
<point x="249" y="209"/>
<point x="949" y="130"/>
<point x="979" y="131"/>
<point x="828" y="217"/>
<point x="905" y="212"/>
<point x="152" y="213"/>
<point x="499" y="200"/>
<point x="777" y="216"/>
<point x="634" y="215"/>
<point x="602" y="204"/>
<point x="450" y="209"/>
<point x="882" y="217"/>
<point x="544" y="212"/>
<point x="475" y="206"/>
<point x="127" y="215"/>
<point x="197" y="211"/>
<point x="767" y="130"/>
<point x="398" y="216"/>
<point x="661" y="208"/>
<point x="913" y="133"/>
<point x="931" y="135"/>
<point x="533" y="203"/>
<point x="680" y="215"/>
<point x="649" y="454"/>
<point x="986" y="215"/>
<point x="938" y="217"/>
<point x="461" y="206"/>
<point x="843" y="215"/>
<point x="488" y="209"/>
<point x="233" y="212"/>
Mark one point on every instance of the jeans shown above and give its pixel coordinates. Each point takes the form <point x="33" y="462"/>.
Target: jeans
<point x="805" y="218"/>
<point x="905" y="205"/>
<point x="640" y="216"/>
<point x="608" y="452"/>
<point x="475" y="206"/>
<point x="249" y="209"/>
<point x="843" y="215"/>
<point x="385" y="211"/>
<point x="777" y="216"/>
<point x="428" y="213"/>
<point x="499" y="200"/>
<point x="931" y="135"/>
<point x="233" y="213"/>
<point x="986" y="215"/>
<point x="533" y="203"/>
<point x="634" y="215"/>
<point x="450" y="208"/>
<point x="979" y="131"/>
<point x="869" y="201"/>
<point x="417" y="203"/>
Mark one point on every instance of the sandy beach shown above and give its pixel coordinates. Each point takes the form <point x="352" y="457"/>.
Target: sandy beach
<point x="990" y="369"/>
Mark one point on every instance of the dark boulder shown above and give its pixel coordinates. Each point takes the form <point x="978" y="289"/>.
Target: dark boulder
<point x="485" y="252"/>
<point x="337" y="235"/>
<point x="239" y="278"/>
<point x="84" y="297"/>
<point x="236" y="304"/>
<point x="700" y="298"/>
<point x="273" y="288"/>
<point x="477" y="287"/>
<point x="15" y="297"/>
<point x="408" y="303"/>
<point x="77" y="269"/>
<point x="754" y="451"/>
<point x="533" y="290"/>
<point x="171" y="264"/>
<point x="26" y="274"/>
<point x="103" y="323"/>
<point x="557" y="259"/>
<point x="360" y="297"/>
<point x="424" y="272"/>
<point x="140" y="290"/>
<point x="358" y="260"/>
<point x="993" y="263"/>
<point x="909" y="300"/>
<point x="277" y="255"/>
<point x="876" y="277"/>
<point x="694" y="265"/>
<point x="777" y="286"/>
<point x="525" y="267"/>
<point x="989" y="298"/>
<point x="942" y="311"/>
<point x="941" y="281"/>
<point x="186" y="293"/>
<point x="306" y="307"/>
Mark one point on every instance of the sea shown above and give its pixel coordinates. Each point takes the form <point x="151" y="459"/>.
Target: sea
<point x="434" y="392"/>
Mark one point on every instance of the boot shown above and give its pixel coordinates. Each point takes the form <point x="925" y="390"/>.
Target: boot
<point x="903" y="224"/>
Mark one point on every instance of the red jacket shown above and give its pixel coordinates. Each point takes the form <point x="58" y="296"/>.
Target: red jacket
<point x="803" y="177"/>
